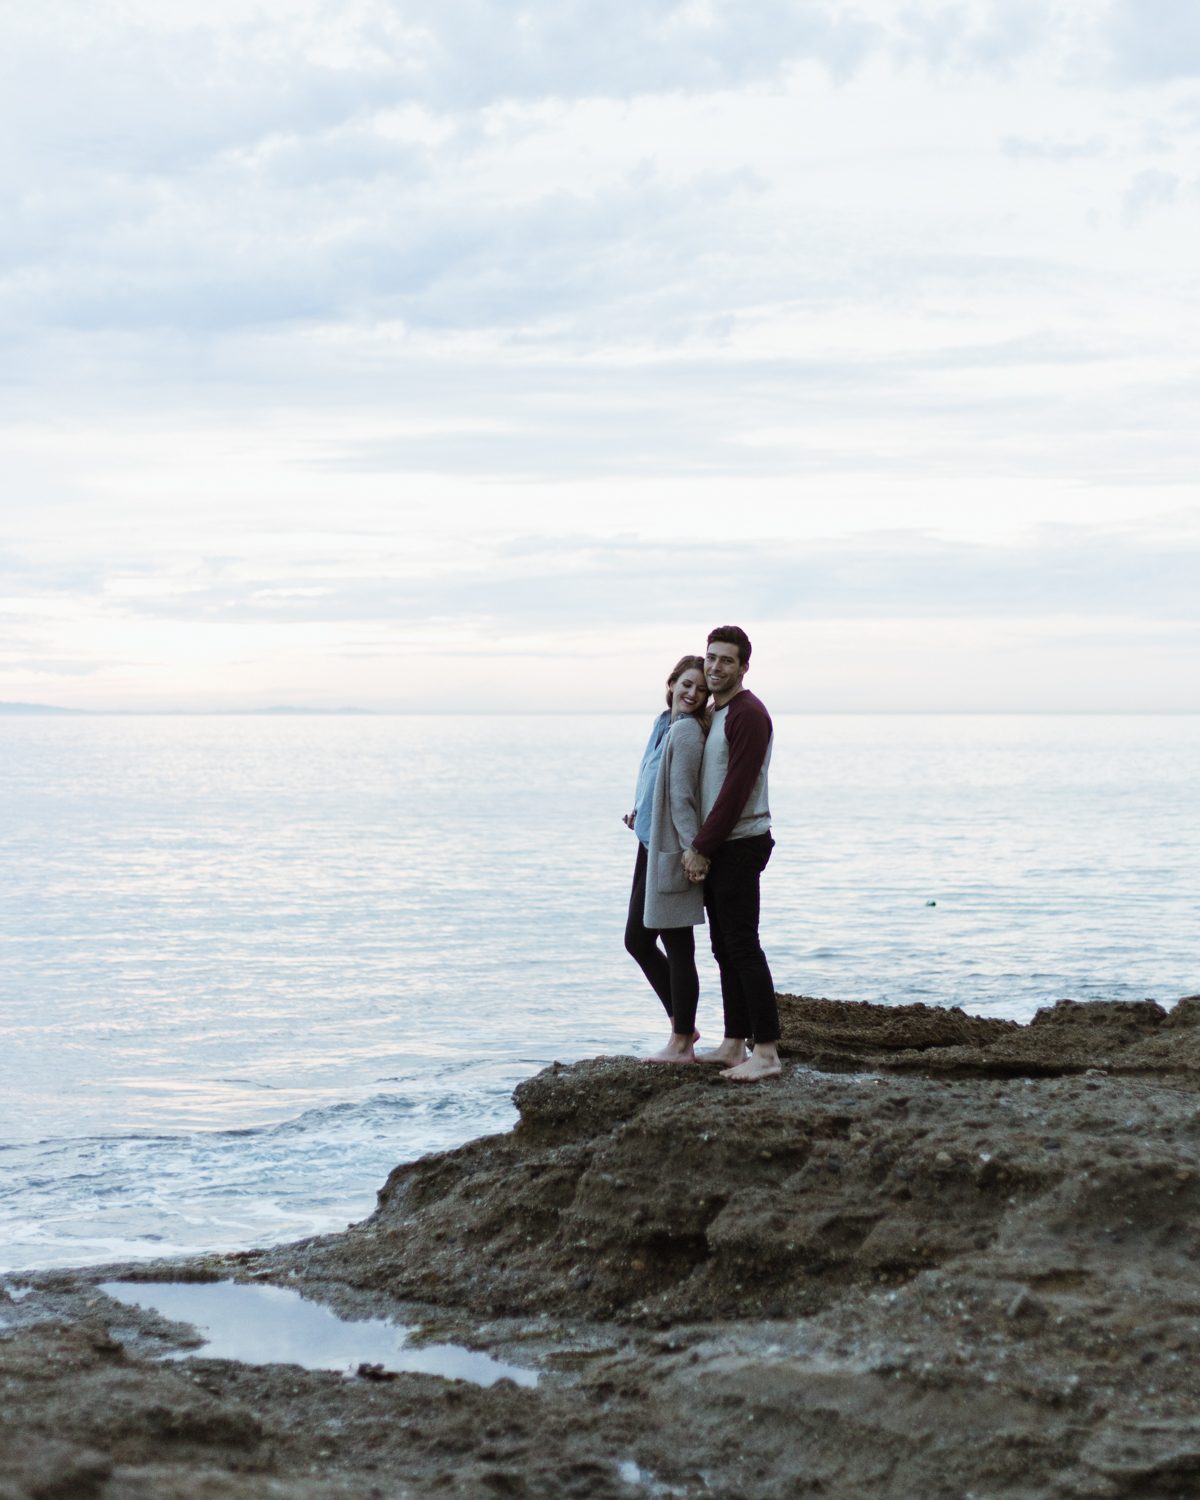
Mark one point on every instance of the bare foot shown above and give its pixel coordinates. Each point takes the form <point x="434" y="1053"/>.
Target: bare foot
<point x="731" y="1052"/>
<point x="677" y="1050"/>
<point x="754" y="1068"/>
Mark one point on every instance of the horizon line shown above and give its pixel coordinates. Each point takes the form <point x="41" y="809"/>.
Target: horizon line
<point x="50" y="710"/>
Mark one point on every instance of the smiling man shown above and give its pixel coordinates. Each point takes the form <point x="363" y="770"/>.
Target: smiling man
<point x="730" y="853"/>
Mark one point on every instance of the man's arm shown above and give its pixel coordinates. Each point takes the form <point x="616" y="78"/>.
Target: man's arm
<point x="748" y="734"/>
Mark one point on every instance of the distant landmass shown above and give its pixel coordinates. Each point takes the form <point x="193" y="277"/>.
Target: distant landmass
<point x="282" y="708"/>
<point x="34" y="708"/>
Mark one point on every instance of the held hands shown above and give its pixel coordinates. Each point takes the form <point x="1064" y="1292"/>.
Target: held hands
<point x="695" y="866"/>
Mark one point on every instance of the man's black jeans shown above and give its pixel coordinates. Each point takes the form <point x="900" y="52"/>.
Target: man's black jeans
<point x="731" y="899"/>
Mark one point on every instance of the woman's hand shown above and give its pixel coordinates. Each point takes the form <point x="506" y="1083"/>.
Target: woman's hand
<point x="628" y="819"/>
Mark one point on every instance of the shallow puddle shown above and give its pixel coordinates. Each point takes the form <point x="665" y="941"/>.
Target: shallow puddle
<point x="270" y="1325"/>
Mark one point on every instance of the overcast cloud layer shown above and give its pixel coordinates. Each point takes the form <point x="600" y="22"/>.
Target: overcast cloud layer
<point x="459" y="355"/>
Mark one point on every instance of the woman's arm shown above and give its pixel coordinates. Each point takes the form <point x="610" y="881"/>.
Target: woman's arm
<point x="643" y="787"/>
<point x="687" y="751"/>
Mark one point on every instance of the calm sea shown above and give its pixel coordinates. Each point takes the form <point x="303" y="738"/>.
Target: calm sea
<point x="247" y="965"/>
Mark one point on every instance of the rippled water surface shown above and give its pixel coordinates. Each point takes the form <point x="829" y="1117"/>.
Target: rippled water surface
<point x="248" y="964"/>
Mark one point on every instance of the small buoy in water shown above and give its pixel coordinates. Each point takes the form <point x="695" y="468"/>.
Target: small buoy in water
<point x="931" y="903"/>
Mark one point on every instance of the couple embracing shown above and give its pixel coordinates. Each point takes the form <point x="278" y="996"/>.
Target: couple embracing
<point x="704" y="838"/>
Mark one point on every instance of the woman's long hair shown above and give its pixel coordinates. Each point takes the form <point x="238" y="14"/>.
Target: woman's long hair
<point x="684" y="664"/>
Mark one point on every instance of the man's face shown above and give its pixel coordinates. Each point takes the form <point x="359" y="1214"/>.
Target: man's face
<point x="723" y="670"/>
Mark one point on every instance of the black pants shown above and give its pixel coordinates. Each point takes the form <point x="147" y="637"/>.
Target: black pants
<point x="672" y="974"/>
<point x="731" y="899"/>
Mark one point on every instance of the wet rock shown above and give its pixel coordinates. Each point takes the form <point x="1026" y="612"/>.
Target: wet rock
<point x="1136" y="1451"/>
<point x="959" y="1260"/>
<point x="49" y="1469"/>
<point x="1026" y="1305"/>
<point x="853" y="1032"/>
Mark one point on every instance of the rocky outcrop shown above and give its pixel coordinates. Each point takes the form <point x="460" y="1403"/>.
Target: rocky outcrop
<point x="660" y="1193"/>
<point x="1123" y="1037"/>
<point x="942" y="1255"/>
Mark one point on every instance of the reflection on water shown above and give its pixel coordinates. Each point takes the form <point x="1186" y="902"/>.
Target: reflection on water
<point x="270" y="1325"/>
<point x="249" y="965"/>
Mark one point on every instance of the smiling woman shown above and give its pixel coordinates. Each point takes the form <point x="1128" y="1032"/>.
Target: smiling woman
<point x="664" y="906"/>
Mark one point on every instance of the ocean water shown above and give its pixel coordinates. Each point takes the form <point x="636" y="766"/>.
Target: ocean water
<point x="248" y="964"/>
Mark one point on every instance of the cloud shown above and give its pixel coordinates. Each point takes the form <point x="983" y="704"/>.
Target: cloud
<point x="367" y="229"/>
<point x="22" y="576"/>
<point x="305" y="163"/>
<point x="24" y="663"/>
<point x="169" y="92"/>
<point x="972" y="33"/>
<point x="299" y="166"/>
<point x="1154" y="41"/>
<point x="1029" y="148"/>
<point x="1149" y="189"/>
<point x="468" y="270"/>
<point x="529" y="583"/>
<point x="1084" y="406"/>
<point x="477" y="53"/>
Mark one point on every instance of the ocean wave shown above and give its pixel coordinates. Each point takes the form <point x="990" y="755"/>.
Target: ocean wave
<point x="87" y="1200"/>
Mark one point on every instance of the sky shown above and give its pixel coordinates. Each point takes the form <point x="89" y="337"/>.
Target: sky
<point x="437" y="355"/>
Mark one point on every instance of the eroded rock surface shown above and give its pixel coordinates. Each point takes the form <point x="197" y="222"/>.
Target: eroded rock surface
<point x="941" y="1256"/>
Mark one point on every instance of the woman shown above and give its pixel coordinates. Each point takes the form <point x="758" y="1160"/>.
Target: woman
<point x="664" y="906"/>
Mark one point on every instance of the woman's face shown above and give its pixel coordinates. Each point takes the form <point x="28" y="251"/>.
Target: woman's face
<point x="689" y="692"/>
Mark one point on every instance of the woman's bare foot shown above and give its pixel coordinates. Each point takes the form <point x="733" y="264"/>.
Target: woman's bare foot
<point x="731" y="1052"/>
<point x="760" y="1064"/>
<point x="678" y="1050"/>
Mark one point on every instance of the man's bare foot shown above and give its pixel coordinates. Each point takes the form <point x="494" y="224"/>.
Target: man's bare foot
<point x="756" y="1066"/>
<point x="678" y="1050"/>
<point x="731" y="1052"/>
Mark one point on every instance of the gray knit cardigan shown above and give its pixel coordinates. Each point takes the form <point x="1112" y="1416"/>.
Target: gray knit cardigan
<point x="671" y="898"/>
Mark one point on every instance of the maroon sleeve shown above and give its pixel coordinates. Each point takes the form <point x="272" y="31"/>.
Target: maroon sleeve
<point x="747" y="733"/>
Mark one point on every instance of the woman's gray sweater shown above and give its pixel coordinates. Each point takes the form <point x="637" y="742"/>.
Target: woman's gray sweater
<point x="671" y="898"/>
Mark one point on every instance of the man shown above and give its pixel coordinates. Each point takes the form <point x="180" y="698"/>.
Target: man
<point x="730" y="853"/>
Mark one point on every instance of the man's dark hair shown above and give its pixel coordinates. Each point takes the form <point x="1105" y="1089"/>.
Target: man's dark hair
<point x="732" y="635"/>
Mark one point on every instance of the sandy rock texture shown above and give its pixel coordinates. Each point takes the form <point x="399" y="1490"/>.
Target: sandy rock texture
<point x="942" y="1256"/>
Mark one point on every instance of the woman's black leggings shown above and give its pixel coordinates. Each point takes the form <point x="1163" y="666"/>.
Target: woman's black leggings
<point x="672" y="975"/>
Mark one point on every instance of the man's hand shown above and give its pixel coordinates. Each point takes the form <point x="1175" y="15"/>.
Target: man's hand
<point x="628" y="820"/>
<point x="695" y="866"/>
